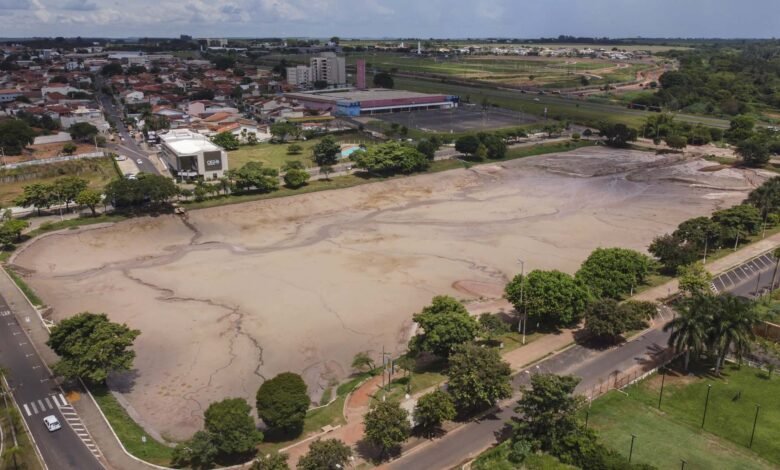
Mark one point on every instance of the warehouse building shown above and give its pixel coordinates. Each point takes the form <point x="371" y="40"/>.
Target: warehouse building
<point x="190" y="155"/>
<point x="373" y="101"/>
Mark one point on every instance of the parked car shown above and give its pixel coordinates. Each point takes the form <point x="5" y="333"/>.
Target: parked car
<point x="52" y="423"/>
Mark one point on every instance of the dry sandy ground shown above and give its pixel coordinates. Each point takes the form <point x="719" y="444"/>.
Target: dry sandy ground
<point x="238" y="293"/>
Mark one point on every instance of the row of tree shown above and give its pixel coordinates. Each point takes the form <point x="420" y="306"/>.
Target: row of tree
<point x="66" y="190"/>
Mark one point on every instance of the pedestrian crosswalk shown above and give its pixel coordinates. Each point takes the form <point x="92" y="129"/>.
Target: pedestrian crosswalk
<point x="45" y="404"/>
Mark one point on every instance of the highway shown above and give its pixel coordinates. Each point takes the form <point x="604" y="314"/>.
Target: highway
<point x="38" y="395"/>
<point x="592" y="366"/>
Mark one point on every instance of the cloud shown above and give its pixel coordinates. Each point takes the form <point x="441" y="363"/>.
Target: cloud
<point x="15" y="4"/>
<point x="80" y="5"/>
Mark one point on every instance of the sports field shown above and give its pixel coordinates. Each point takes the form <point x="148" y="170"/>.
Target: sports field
<point x="664" y="438"/>
<point x="276" y="155"/>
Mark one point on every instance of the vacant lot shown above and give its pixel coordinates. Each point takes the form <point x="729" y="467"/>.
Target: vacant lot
<point x="98" y="171"/>
<point x="276" y="155"/>
<point x="243" y="292"/>
<point x="666" y="437"/>
<point x="461" y="119"/>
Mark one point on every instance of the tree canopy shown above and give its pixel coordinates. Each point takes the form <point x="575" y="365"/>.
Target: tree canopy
<point x="15" y="135"/>
<point x="613" y="272"/>
<point x="617" y="135"/>
<point x="91" y="347"/>
<point x="606" y="320"/>
<point x="326" y="152"/>
<point x="282" y="403"/>
<point x="387" y="427"/>
<point x="384" y="80"/>
<point x="231" y="427"/>
<point x="83" y="132"/>
<point x="478" y="377"/>
<point x="325" y="454"/>
<point x="432" y="410"/>
<point x="445" y="324"/>
<point x="550" y="297"/>
<point x="227" y="140"/>
<point x="254" y="176"/>
<point x="390" y="158"/>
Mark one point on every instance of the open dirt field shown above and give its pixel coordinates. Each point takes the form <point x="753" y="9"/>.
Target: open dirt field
<point x="238" y="293"/>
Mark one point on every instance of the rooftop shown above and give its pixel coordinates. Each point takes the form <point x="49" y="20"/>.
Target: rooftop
<point x="185" y="142"/>
<point x="360" y="95"/>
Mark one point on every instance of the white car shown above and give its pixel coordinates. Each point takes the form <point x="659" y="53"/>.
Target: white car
<point x="52" y="423"/>
<point x="139" y="161"/>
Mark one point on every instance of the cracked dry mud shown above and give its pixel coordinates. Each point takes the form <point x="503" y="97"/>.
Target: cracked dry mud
<point x="233" y="294"/>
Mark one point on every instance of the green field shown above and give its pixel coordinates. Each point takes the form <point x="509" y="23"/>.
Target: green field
<point x="98" y="171"/>
<point x="666" y="437"/>
<point x="276" y="155"/>
<point x="576" y="110"/>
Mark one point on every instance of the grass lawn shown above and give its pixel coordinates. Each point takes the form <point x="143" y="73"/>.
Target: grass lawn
<point x="665" y="437"/>
<point x="31" y="295"/>
<point x="275" y="155"/>
<point x="497" y="458"/>
<point x="98" y="171"/>
<point x="130" y="432"/>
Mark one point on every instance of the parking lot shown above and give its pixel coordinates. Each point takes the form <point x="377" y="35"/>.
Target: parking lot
<point x="751" y="279"/>
<point x="462" y="119"/>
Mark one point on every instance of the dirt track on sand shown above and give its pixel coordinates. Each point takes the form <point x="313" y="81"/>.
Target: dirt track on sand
<point x="244" y="292"/>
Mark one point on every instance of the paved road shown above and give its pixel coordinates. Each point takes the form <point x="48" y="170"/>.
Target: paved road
<point x="750" y="280"/>
<point x="129" y="146"/>
<point x="38" y="395"/>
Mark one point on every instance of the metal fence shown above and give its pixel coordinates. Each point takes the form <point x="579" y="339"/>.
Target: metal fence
<point x="621" y="380"/>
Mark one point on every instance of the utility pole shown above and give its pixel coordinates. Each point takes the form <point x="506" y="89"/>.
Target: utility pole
<point x="706" y="403"/>
<point x="524" y="318"/>
<point x="706" y="243"/>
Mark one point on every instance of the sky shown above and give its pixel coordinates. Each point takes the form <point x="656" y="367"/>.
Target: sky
<point x="391" y="18"/>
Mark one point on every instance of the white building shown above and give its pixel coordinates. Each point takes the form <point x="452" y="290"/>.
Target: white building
<point x="299" y="75"/>
<point x="192" y="155"/>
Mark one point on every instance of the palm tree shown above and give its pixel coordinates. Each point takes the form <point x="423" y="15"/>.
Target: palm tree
<point x="732" y="328"/>
<point x="689" y="327"/>
<point x="10" y="455"/>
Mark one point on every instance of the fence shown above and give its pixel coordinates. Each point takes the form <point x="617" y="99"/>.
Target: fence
<point x="767" y="330"/>
<point x="46" y="161"/>
<point x="620" y="380"/>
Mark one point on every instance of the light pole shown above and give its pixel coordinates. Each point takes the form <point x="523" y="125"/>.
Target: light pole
<point x="524" y="318"/>
<point x="755" y="420"/>
<point x="631" y="451"/>
<point x="661" y="395"/>
<point x="736" y="242"/>
<point x="706" y="243"/>
<point x="706" y="403"/>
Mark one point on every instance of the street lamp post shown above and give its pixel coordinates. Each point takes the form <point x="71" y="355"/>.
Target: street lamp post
<point x="706" y="404"/>
<point x="682" y="465"/>
<point x="631" y="451"/>
<point x="706" y="243"/>
<point x="661" y="395"/>
<point x="755" y="420"/>
<point x="524" y="318"/>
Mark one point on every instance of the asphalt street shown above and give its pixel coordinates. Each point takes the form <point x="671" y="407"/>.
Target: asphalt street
<point x="750" y="280"/>
<point x="38" y="395"/>
<point x="128" y="146"/>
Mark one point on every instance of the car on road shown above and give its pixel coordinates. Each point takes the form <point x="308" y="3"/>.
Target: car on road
<point x="52" y="423"/>
<point x="139" y="161"/>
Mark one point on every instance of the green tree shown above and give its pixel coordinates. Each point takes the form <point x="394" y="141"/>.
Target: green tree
<point x="199" y="452"/>
<point x="363" y="362"/>
<point x="15" y="135"/>
<point x="67" y="189"/>
<point x="90" y="346"/>
<point x="754" y="151"/>
<point x="326" y="152"/>
<point x="327" y="454"/>
<point x="296" y="178"/>
<point x="111" y="69"/>
<point x="547" y="413"/>
<point x="606" y="320"/>
<point x="89" y="198"/>
<point x="428" y="147"/>
<point x="83" y="132"/>
<point x="11" y="231"/>
<point x="468" y="144"/>
<point x="231" y="427"/>
<point x="689" y="327"/>
<point x="37" y="195"/>
<point x="390" y="158"/>
<point x="617" y="135"/>
<point x="276" y="461"/>
<point x="254" y="176"/>
<point x="282" y="403"/>
<point x="676" y="142"/>
<point x="387" y="427"/>
<point x="226" y="140"/>
<point x="384" y="80"/>
<point x="445" y="324"/>
<point x="551" y="297"/>
<point x="69" y="148"/>
<point x="432" y="410"/>
<point x="694" y="279"/>
<point x="731" y="329"/>
<point x="281" y="130"/>
<point x="766" y="198"/>
<point x="12" y="454"/>
<point x="492" y="326"/>
<point x="326" y="170"/>
<point x="740" y="128"/>
<point x="613" y="272"/>
<point x="478" y="377"/>
<point x="737" y="222"/>
<point x="294" y="149"/>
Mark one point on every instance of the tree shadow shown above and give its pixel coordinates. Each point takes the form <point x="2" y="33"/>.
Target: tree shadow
<point x="122" y="382"/>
